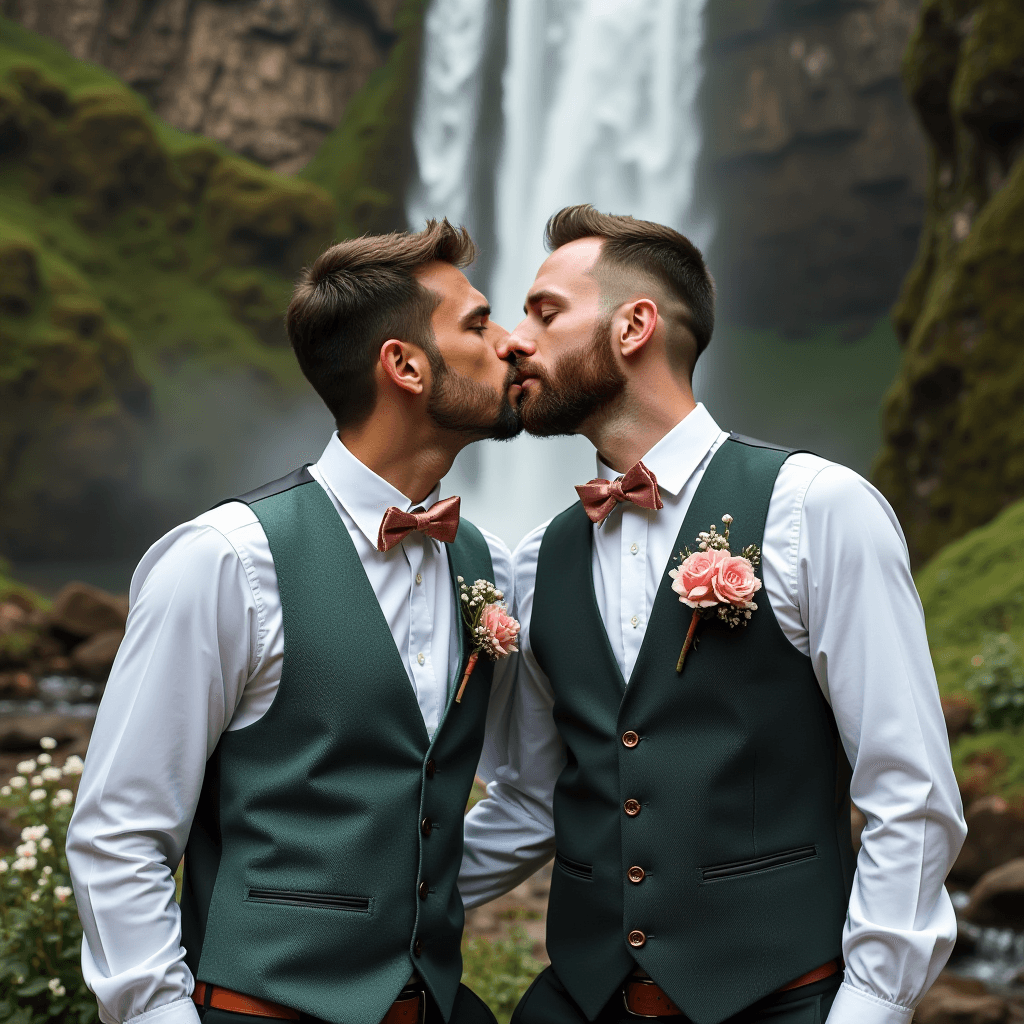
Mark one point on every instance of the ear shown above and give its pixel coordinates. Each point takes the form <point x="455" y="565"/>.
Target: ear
<point x="636" y="325"/>
<point x="404" y="365"/>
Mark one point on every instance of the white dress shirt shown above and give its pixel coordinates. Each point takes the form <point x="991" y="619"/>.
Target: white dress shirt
<point x="837" y="573"/>
<point x="202" y="655"/>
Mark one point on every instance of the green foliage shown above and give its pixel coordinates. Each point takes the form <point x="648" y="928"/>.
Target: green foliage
<point x="996" y="687"/>
<point x="499" y="972"/>
<point x="974" y="587"/>
<point x="40" y="934"/>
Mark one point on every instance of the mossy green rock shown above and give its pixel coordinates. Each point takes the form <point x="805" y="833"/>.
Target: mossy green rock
<point x="126" y="249"/>
<point x="953" y="453"/>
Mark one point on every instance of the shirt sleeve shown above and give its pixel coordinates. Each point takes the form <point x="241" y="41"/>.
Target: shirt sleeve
<point x="189" y="648"/>
<point x="510" y="833"/>
<point x="866" y="637"/>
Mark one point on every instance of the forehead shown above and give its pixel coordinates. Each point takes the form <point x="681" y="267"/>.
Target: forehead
<point x="451" y="284"/>
<point x="569" y="268"/>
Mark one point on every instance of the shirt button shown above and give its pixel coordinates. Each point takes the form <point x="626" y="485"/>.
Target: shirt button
<point x="635" y="875"/>
<point x="419" y="577"/>
<point x="423" y="890"/>
<point x="426" y="826"/>
<point x="633" y="549"/>
<point x="431" y="767"/>
<point x="630" y="739"/>
<point x="421" y="658"/>
<point x="417" y="948"/>
<point x="634" y="621"/>
<point x="631" y="807"/>
<point x="636" y="939"/>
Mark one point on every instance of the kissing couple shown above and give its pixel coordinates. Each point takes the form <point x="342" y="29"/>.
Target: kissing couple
<point x="674" y="688"/>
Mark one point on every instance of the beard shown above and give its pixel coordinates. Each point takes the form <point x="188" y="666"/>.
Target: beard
<point x="581" y="383"/>
<point x="460" y="403"/>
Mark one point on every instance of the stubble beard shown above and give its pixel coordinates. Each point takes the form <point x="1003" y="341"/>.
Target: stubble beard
<point x="581" y="383"/>
<point x="458" y="402"/>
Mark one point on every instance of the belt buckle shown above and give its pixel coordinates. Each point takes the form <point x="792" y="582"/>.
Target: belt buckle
<point x="625" y="999"/>
<point x="421" y="999"/>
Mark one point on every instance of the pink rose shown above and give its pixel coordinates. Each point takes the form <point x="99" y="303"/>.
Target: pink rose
<point x="734" y="581"/>
<point x="502" y="630"/>
<point x="692" y="581"/>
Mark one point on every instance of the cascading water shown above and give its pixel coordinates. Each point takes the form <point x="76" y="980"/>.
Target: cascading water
<point x="599" y="105"/>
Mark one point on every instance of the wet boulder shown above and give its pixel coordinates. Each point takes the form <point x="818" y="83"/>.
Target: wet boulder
<point x="995" y="835"/>
<point x="998" y="898"/>
<point x="94" y="657"/>
<point x="84" y="611"/>
<point x="953" y="1000"/>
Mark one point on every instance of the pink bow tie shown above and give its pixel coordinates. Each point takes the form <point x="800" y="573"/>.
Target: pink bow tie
<point x="440" y="521"/>
<point x="639" y="486"/>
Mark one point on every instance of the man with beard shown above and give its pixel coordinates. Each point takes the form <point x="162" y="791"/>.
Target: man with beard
<point x="696" y="795"/>
<point x="282" y="707"/>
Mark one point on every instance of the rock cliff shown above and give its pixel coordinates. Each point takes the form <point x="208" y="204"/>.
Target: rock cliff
<point x="813" y="162"/>
<point x="953" y="452"/>
<point x="267" y="78"/>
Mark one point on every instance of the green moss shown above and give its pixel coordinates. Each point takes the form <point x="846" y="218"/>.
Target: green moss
<point x="1002" y="753"/>
<point x="361" y="163"/>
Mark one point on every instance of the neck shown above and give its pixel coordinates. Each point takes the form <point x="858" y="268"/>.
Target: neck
<point x="629" y="428"/>
<point x="411" y="456"/>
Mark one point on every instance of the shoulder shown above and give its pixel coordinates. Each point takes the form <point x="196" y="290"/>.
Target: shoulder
<point x="524" y="558"/>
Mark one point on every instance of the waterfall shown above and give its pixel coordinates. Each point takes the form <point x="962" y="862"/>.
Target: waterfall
<point x="598" y="105"/>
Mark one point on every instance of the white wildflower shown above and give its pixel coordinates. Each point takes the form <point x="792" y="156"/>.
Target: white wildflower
<point x="34" y="897"/>
<point x="4" y="866"/>
<point x="37" y="794"/>
<point x="5" y="791"/>
<point x="25" y="864"/>
<point x="37" y="780"/>
<point x="33" y="833"/>
<point x="46" y="845"/>
<point x="47" y="871"/>
<point x="73" y="765"/>
<point x="43" y="758"/>
<point x="27" y="849"/>
<point x="47" y="743"/>
<point x="62" y="798"/>
<point x="62" y="892"/>
<point x="26" y="767"/>
<point x="52" y="774"/>
<point x="56" y="987"/>
<point x="19" y="782"/>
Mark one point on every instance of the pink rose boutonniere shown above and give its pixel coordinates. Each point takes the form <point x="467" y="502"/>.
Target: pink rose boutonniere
<point x="493" y="631"/>
<point x="715" y="583"/>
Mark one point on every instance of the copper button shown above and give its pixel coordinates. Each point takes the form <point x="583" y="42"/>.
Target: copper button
<point x="630" y="739"/>
<point x="431" y="768"/>
<point x="631" y="807"/>
<point x="636" y="938"/>
<point x="417" y="948"/>
<point x="426" y="826"/>
<point x="635" y="874"/>
<point x="423" y="890"/>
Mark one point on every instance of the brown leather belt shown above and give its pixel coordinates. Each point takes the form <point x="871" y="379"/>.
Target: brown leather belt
<point x="408" y="1008"/>
<point x="644" y="998"/>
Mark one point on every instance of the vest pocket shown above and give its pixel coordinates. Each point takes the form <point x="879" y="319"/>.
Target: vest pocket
<point x="323" y="900"/>
<point x="746" y="867"/>
<point x="575" y="868"/>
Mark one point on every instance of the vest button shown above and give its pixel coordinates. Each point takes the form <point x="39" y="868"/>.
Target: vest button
<point x="631" y="807"/>
<point x="417" y="948"/>
<point x="635" y="875"/>
<point x="426" y="826"/>
<point x="423" y="890"/>
<point x="431" y="768"/>
<point x="630" y="739"/>
<point x="636" y="939"/>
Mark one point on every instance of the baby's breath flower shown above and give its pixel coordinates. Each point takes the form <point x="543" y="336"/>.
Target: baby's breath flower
<point x="27" y="849"/>
<point x="62" y="798"/>
<point x="26" y="767"/>
<point x="46" y="845"/>
<point x="43" y="758"/>
<point x="52" y="774"/>
<point x="62" y="892"/>
<point x="73" y="765"/>
<point x="19" y="782"/>
<point x="47" y="871"/>
<point x="32" y="833"/>
<point x="47" y="743"/>
<point x="37" y="794"/>
<point x="34" y="897"/>
<point x="25" y="864"/>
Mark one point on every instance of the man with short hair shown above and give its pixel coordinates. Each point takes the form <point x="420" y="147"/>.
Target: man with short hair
<point x="690" y="763"/>
<point x="282" y="707"/>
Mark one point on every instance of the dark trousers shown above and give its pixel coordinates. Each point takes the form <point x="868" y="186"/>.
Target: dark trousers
<point x="547" y="1002"/>
<point x="469" y="1008"/>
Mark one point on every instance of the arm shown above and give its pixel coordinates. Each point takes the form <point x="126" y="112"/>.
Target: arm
<point x="866" y="637"/>
<point x="510" y="833"/>
<point x="192" y="635"/>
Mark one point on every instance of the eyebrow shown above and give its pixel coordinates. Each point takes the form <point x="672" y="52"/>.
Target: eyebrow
<point x="535" y="297"/>
<point x="476" y="314"/>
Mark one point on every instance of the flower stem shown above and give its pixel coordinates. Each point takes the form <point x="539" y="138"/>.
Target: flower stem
<point x="688" y="642"/>
<point x="470" y="665"/>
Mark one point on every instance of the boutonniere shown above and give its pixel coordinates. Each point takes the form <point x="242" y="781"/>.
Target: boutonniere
<point x="492" y="630"/>
<point x="715" y="583"/>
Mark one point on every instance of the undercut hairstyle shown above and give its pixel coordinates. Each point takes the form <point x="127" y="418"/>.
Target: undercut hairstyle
<point x="357" y="295"/>
<point x="637" y="254"/>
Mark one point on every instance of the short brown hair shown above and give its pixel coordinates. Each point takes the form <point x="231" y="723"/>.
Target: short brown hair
<point x="640" y="248"/>
<point x="358" y="294"/>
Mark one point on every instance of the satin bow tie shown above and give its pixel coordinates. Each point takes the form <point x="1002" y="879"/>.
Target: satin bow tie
<point x="639" y="486"/>
<point x="440" y="521"/>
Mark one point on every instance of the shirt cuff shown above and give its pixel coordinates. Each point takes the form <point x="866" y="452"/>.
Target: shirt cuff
<point x="855" y="1006"/>
<point x="181" y="1011"/>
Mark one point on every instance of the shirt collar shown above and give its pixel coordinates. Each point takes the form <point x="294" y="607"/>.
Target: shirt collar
<point x="364" y="495"/>
<point x="675" y="457"/>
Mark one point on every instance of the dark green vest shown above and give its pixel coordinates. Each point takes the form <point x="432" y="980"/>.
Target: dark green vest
<point x="322" y="863"/>
<point x="743" y="834"/>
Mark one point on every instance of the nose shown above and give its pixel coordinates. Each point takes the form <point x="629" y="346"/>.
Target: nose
<point x="516" y="344"/>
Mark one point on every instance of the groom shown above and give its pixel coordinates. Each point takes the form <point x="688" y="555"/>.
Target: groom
<point x="281" y="709"/>
<point x="699" y="810"/>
